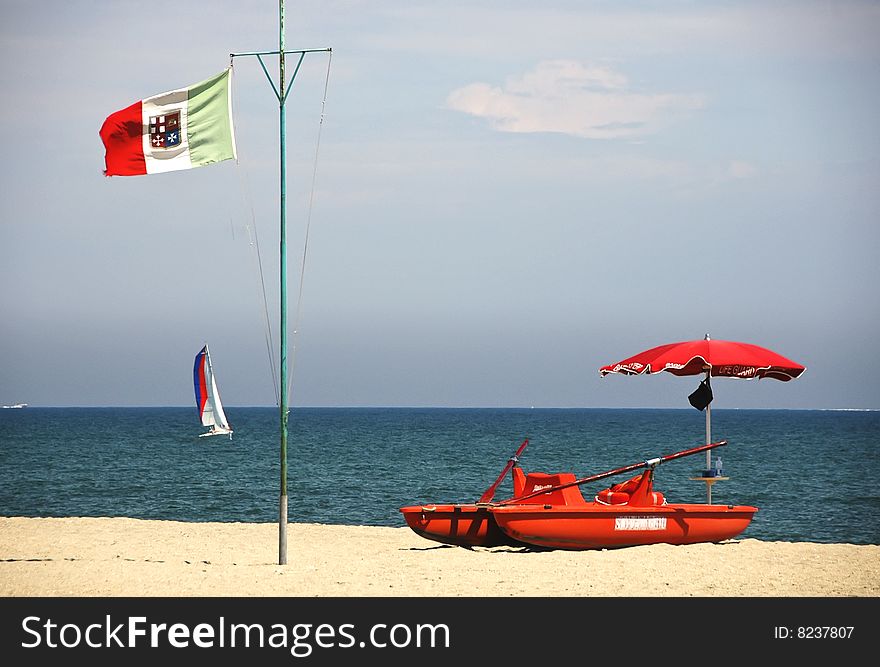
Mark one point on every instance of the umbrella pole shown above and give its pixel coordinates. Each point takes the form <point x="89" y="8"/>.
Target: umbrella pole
<point x="708" y="430"/>
<point x="708" y="440"/>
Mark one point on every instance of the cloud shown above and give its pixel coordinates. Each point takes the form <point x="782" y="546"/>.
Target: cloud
<point x="568" y="97"/>
<point x="738" y="169"/>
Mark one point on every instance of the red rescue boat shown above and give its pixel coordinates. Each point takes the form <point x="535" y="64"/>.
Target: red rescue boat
<point x="550" y="511"/>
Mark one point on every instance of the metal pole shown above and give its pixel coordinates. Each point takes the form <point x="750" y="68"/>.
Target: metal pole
<point x="650" y="463"/>
<point x="282" y="502"/>
<point x="708" y="440"/>
<point x="281" y="94"/>
<point x="708" y="428"/>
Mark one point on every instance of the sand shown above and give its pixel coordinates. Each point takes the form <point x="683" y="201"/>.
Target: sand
<point x="108" y="557"/>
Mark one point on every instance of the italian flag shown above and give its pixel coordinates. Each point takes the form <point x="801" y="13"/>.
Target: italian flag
<point x="180" y="129"/>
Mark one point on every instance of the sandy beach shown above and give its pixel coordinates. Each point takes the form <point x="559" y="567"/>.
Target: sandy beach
<point x="108" y="557"/>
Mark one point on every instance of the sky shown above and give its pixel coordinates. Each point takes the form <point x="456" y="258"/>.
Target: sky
<point x="502" y="197"/>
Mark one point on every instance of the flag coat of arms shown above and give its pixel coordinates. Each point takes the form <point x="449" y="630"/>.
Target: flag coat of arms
<point x="180" y="129"/>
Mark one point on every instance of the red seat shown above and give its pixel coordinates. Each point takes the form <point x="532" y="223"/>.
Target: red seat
<point x="536" y="481"/>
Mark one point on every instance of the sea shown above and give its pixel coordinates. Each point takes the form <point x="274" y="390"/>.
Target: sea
<point x="810" y="473"/>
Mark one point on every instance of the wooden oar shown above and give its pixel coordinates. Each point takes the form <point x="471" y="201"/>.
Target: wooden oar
<point x="489" y="493"/>
<point x="650" y="463"/>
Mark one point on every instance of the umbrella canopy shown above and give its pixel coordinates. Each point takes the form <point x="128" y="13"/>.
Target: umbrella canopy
<point x="720" y="358"/>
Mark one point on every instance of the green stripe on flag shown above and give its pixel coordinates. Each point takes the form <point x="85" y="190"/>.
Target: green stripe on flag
<point x="209" y="124"/>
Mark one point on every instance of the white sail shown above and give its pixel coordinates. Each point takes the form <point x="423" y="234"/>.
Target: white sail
<point x="208" y="402"/>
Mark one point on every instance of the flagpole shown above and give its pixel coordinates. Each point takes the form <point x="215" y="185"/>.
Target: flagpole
<point x="281" y="92"/>
<point x="282" y="501"/>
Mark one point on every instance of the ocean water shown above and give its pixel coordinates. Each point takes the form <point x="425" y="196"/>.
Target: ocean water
<point x="810" y="473"/>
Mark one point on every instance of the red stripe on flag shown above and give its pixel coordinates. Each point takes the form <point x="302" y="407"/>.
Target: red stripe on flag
<point x="122" y="134"/>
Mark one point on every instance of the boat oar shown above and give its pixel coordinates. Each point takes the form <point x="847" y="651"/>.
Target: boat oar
<point x="489" y="493"/>
<point x="650" y="463"/>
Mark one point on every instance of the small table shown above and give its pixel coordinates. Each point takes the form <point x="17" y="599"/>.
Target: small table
<point x="709" y="482"/>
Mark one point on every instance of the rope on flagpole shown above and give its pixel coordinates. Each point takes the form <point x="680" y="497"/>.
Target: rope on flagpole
<point x="302" y="274"/>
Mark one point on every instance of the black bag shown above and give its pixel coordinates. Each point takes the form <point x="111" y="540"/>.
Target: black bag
<point x="701" y="398"/>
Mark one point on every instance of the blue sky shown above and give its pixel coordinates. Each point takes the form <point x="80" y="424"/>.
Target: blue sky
<point x="509" y="195"/>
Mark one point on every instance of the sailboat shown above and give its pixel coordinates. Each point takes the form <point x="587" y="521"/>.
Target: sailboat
<point x="208" y="397"/>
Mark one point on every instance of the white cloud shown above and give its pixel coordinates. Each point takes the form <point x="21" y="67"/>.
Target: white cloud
<point x="590" y="101"/>
<point x="738" y="169"/>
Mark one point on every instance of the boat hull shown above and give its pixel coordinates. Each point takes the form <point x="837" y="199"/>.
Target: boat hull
<point x="217" y="431"/>
<point x="598" y="526"/>
<point x="464" y="525"/>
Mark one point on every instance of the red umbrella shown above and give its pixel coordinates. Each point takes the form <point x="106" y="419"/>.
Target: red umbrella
<point x="714" y="358"/>
<point x="718" y="358"/>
